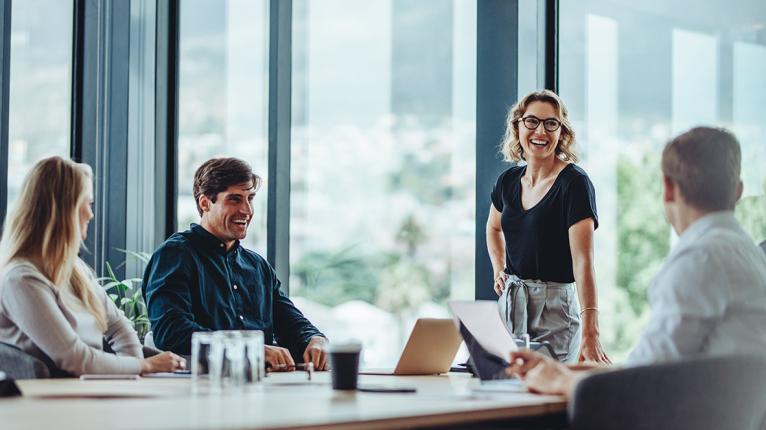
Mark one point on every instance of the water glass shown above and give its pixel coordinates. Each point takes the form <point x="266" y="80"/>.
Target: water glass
<point x="232" y="371"/>
<point x="205" y="360"/>
<point x="255" y="369"/>
<point x="227" y="360"/>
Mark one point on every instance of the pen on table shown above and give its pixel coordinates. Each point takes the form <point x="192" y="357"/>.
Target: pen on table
<point x="308" y="367"/>
<point x="297" y="366"/>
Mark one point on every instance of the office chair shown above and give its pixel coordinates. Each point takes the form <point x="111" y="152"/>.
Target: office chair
<point x="720" y="392"/>
<point x="17" y="364"/>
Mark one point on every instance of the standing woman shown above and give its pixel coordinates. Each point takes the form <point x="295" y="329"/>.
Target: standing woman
<point x="50" y="303"/>
<point x="540" y="232"/>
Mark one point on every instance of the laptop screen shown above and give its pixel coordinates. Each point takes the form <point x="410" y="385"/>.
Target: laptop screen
<point x="487" y="366"/>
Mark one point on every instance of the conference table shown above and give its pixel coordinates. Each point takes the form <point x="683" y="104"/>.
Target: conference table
<point x="282" y="401"/>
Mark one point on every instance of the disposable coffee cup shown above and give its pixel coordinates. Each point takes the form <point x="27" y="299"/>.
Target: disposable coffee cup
<point x="344" y="363"/>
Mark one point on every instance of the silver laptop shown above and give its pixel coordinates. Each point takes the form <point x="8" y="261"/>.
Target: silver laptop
<point x="430" y="349"/>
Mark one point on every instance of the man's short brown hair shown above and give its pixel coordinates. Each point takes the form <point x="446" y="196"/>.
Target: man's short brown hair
<point x="218" y="174"/>
<point x="705" y="163"/>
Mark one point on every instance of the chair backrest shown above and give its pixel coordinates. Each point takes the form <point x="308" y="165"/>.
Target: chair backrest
<point x="763" y="245"/>
<point x="720" y="392"/>
<point x="149" y="340"/>
<point x="17" y="364"/>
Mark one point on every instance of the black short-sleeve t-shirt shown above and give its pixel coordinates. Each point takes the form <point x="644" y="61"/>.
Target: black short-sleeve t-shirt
<point x="537" y="239"/>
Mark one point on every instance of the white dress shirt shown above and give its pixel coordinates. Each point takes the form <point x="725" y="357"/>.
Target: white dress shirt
<point x="709" y="298"/>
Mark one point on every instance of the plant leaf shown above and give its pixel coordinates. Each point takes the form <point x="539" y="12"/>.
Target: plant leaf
<point x="110" y="271"/>
<point x="142" y="256"/>
<point x="108" y="286"/>
<point x="142" y="320"/>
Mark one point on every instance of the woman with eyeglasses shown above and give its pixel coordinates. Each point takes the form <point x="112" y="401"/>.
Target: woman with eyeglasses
<point x="540" y="232"/>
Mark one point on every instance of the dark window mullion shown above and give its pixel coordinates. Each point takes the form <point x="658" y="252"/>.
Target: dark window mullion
<point x="551" y="45"/>
<point x="166" y="119"/>
<point x="78" y="46"/>
<point x="5" y="79"/>
<point x="280" y="111"/>
<point x="496" y="91"/>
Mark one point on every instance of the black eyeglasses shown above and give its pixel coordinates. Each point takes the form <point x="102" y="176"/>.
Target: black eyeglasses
<point x="532" y="122"/>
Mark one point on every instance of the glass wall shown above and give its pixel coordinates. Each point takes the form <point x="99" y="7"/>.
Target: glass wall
<point x="223" y="97"/>
<point x="634" y="74"/>
<point x="382" y="177"/>
<point x="40" y="86"/>
<point x="531" y="47"/>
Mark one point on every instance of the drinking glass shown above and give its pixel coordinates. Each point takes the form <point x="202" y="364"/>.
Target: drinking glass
<point x="205" y="360"/>
<point x="255" y="369"/>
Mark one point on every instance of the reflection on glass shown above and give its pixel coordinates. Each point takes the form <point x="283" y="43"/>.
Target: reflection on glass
<point x="633" y="75"/>
<point x="223" y="97"/>
<point x="41" y="51"/>
<point x="383" y="149"/>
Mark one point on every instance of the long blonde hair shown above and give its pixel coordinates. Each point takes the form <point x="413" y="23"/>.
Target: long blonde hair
<point x="511" y="147"/>
<point x="44" y="228"/>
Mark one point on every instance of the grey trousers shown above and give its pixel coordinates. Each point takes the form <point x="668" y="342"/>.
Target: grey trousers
<point x="547" y="311"/>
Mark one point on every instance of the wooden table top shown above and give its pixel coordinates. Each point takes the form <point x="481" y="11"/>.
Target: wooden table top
<point x="285" y="400"/>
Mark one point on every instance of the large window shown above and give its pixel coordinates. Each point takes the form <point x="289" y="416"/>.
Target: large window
<point x="383" y="146"/>
<point x="223" y="97"/>
<point x="530" y="47"/>
<point x="634" y="74"/>
<point x="40" y="86"/>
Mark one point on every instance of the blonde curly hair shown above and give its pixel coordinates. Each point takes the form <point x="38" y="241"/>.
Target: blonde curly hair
<point x="511" y="147"/>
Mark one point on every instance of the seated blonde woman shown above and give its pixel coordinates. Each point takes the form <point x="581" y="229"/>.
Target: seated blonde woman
<point x="50" y="303"/>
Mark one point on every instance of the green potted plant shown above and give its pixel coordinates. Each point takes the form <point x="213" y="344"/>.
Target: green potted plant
<point x="126" y="294"/>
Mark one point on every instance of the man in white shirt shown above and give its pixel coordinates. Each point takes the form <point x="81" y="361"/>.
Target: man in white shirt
<point x="709" y="298"/>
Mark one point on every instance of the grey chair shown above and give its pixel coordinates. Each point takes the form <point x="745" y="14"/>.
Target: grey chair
<point x="17" y="364"/>
<point x="763" y="245"/>
<point x="703" y="393"/>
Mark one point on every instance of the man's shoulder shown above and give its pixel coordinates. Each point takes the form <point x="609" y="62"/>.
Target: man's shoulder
<point x="178" y="246"/>
<point x="718" y="258"/>
<point x="736" y="252"/>
<point x="727" y="245"/>
<point x="176" y="242"/>
<point x="254" y="258"/>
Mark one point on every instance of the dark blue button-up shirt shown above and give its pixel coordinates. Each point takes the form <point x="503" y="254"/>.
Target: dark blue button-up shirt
<point x="192" y="283"/>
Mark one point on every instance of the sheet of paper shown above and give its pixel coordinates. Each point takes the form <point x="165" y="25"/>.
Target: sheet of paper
<point x="169" y="375"/>
<point x="482" y="319"/>
<point x="501" y="386"/>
